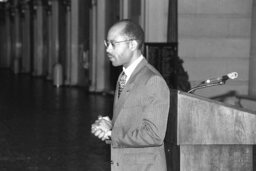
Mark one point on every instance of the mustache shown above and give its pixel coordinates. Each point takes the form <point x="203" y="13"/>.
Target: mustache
<point x="109" y="54"/>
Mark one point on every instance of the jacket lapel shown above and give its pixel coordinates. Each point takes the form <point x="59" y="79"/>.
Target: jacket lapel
<point x="119" y="102"/>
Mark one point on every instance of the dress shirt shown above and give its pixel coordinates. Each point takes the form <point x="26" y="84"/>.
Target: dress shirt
<point x="129" y="70"/>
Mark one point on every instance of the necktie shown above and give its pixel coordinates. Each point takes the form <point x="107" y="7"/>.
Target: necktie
<point x="121" y="83"/>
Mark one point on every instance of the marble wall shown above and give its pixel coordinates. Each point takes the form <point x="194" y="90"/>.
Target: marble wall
<point x="214" y="39"/>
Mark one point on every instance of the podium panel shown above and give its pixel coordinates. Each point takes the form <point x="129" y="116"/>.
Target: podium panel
<point x="216" y="157"/>
<point x="203" y="134"/>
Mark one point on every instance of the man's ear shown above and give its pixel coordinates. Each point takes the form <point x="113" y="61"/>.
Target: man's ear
<point x="133" y="45"/>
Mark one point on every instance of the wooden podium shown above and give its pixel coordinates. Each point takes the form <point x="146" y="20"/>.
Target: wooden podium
<point x="207" y="135"/>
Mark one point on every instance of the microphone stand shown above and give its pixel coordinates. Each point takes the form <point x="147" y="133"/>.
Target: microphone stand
<point x="204" y="85"/>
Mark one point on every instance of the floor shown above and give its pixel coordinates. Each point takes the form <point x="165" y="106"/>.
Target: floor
<point x="44" y="128"/>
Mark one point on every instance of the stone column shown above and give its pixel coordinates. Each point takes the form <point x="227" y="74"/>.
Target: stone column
<point x="6" y="38"/>
<point x="15" y="37"/>
<point x="54" y="40"/>
<point x="252" y="60"/>
<point x="99" y="62"/>
<point x="38" y="38"/>
<point x="92" y="46"/>
<point x="69" y="69"/>
<point x="48" y="8"/>
<point x="124" y="8"/>
<point x="25" y="37"/>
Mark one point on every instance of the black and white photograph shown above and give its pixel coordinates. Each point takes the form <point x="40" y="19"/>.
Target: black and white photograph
<point x="127" y="85"/>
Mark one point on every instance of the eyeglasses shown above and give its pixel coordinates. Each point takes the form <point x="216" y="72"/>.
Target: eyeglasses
<point x="113" y="43"/>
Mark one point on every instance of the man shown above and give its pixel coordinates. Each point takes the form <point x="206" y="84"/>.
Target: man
<point x="141" y="105"/>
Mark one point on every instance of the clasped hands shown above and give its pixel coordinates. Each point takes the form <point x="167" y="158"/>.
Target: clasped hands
<point x="101" y="128"/>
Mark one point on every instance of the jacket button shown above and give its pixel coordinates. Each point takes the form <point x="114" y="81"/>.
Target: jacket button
<point x="117" y="164"/>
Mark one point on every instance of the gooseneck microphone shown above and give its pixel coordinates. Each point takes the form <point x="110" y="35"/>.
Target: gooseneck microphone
<point x="232" y="75"/>
<point x="214" y="81"/>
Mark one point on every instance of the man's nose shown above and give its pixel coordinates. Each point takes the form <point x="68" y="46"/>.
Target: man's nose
<point x="108" y="49"/>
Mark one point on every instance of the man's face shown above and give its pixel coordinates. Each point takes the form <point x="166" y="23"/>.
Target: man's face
<point x="118" y="47"/>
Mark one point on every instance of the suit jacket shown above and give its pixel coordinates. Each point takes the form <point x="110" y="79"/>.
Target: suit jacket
<point x="139" y="122"/>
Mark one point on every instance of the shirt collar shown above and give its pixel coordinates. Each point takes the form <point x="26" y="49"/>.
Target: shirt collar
<point x="129" y="70"/>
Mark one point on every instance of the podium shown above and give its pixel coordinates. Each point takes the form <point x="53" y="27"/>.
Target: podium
<point x="207" y="135"/>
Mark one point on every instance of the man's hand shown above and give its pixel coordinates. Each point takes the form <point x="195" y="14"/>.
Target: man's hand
<point x="102" y="128"/>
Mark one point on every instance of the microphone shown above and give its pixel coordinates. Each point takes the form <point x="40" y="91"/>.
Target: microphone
<point x="214" y="82"/>
<point x="224" y="78"/>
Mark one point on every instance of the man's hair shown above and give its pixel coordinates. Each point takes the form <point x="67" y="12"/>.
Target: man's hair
<point x="133" y="31"/>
